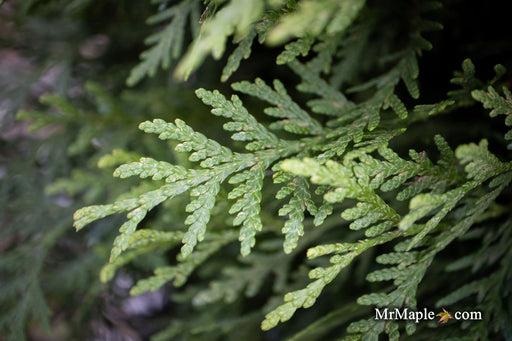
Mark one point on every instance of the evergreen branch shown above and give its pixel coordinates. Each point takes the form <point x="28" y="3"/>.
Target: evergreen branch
<point x="141" y="242"/>
<point x="219" y="163"/>
<point x="306" y="298"/>
<point x="236" y="17"/>
<point x="247" y="206"/>
<point x="66" y="113"/>
<point x="499" y="105"/>
<point x="26" y="290"/>
<point x="329" y="16"/>
<point x="180" y="272"/>
<point x="248" y="280"/>
<point x="190" y="140"/>
<point x="242" y="51"/>
<point x="248" y="128"/>
<point x="408" y="276"/>
<point x="467" y="80"/>
<point x="168" y="43"/>
<point x="147" y="167"/>
<point x="294" y="210"/>
<point x="480" y="163"/>
<point x="296" y="120"/>
<point x="340" y="158"/>
<point x="200" y="216"/>
<point x="332" y="103"/>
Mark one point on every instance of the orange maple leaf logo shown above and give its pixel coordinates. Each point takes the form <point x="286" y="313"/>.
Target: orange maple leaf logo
<point x="444" y="316"/>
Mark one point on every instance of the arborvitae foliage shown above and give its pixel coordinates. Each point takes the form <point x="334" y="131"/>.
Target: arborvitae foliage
<point x="342" y="190"/>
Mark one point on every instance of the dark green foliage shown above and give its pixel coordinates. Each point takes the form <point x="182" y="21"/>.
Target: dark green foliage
<point x="346" y="184"/>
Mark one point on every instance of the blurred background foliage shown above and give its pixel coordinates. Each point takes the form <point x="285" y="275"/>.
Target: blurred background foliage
<point x="65" y="109"/>
<point x="56" y="56"/>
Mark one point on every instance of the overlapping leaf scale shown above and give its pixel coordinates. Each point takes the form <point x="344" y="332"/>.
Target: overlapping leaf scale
<point x="301" y="46"/>
<point x="157" y="170"/>
<point x="247" y="207"/>
<point x="200" y="208"/>
<point x="299" y="202"/>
